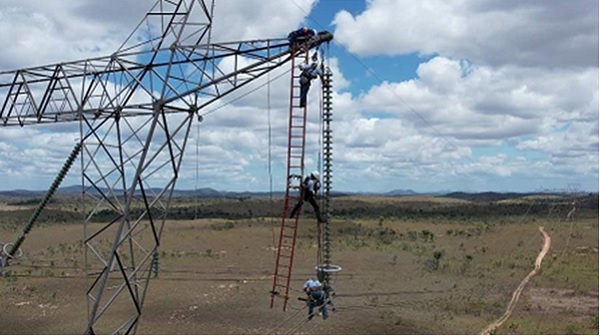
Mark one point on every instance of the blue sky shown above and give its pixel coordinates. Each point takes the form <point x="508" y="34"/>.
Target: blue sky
<point x="430" y="95"/>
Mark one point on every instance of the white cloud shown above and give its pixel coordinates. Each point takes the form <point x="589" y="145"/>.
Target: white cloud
<point x="258" y="19"/>
<point x="39" y="32"/>
<point x="451" y="107"/>
<point x="486" y="103"/>
<point x="539" y="33"/>
<point x="42" y="32"/>
<point x="517" y="81"/>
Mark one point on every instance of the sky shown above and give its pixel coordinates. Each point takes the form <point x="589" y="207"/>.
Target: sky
<point x="432" y="95"/>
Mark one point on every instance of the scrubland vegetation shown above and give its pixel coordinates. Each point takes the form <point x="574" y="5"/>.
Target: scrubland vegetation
<point x="411" y="265"/>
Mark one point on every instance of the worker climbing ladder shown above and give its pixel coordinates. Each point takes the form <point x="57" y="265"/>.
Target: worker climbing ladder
<point x="295" y="173"/>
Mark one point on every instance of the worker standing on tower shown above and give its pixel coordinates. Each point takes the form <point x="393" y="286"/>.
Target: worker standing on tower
<point x="300" y="35"/>
<point x="308" y="192"/>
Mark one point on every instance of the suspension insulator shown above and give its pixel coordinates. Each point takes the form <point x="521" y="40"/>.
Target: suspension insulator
<point x="324" y="269"/>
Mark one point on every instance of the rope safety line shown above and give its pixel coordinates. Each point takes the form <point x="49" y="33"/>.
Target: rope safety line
<point x="270" y="159"/>
<point x="197" y="169"/>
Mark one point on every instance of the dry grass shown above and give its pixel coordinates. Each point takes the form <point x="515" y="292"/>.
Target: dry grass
<point x="215" y="278"/>
<point x="403" y="199"/>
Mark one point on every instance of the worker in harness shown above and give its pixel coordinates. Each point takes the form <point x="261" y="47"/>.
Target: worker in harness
<point x="309" y="72"/>
<point x="301" y="35"/>
<point x="308" y="192"/>
<point x="315" y="298"/>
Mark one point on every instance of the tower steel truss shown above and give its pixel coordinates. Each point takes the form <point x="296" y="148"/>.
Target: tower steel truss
<point x="134" y="109"/>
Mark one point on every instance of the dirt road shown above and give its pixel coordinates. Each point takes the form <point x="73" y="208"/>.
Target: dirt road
<point x="517" y="293"/>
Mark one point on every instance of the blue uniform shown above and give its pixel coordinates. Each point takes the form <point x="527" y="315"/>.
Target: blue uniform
<point x="309" y="72"/>
<point x="301" y="34"/>
<point x="316" y="298"/>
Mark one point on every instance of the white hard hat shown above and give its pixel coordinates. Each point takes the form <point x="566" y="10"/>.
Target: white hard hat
<point x="315" y="174"/>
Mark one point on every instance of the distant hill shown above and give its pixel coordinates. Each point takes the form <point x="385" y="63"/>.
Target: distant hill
<point x="490" y="195"/>
<point x="203" y="192"/>
<point x="401" y="192"/>
<point x="212" y="193"/>
<point x="21" y="193"/>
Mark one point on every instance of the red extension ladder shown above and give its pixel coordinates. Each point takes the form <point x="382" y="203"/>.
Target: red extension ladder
<point x="295" y="173"/>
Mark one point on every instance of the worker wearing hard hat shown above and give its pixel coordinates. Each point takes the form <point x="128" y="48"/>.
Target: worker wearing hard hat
<point x="308" y="73"/>
<point x="316" y="298"/>
<point x="308" y="192"/>
<point x="301" y="35"/>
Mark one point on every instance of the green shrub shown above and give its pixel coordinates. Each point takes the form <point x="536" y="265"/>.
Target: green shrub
<point x="222" y="226"/>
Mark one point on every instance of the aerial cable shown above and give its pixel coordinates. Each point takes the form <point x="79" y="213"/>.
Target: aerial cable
<point x="297" y="326"/>
<point x="270" y="159"/>
<point x="280" y="324"/>
<point x="269" y="137"/>
<point x="305" y="321"/>
<point x="270" y="141"/>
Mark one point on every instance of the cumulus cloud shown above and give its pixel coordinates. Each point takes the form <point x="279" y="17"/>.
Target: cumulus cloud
<point x="487" y="103"/>
<point x="39" y="32"/>
<point x="44" y="33"/>
<point x="536" y="33"/>
<point x="451" y="107"/>
<point x="255" y="19"/>
<point x="508" y="90"/>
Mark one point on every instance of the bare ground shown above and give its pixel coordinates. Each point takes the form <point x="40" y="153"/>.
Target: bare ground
<point x="217" y="281"/>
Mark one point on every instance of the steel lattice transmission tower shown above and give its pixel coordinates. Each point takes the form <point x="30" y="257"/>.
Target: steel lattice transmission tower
<point x="135" y="108"/>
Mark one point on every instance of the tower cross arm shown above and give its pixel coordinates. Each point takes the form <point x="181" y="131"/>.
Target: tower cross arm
<point x="129" y="82"/>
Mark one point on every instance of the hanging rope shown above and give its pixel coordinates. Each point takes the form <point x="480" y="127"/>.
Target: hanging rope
<point x="197" y="169"/>
<point x="269" y="137"/>
<point x="270" y="130"/>
<point x="270" y="164"/>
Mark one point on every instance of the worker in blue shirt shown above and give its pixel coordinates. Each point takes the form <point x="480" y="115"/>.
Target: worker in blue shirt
<point x="309" y="72"/>
<point x="301" y="35"/>
<point x="316" y="298"/>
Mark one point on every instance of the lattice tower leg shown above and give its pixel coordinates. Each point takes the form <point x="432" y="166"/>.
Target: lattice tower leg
<point x="129" y="169"/>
